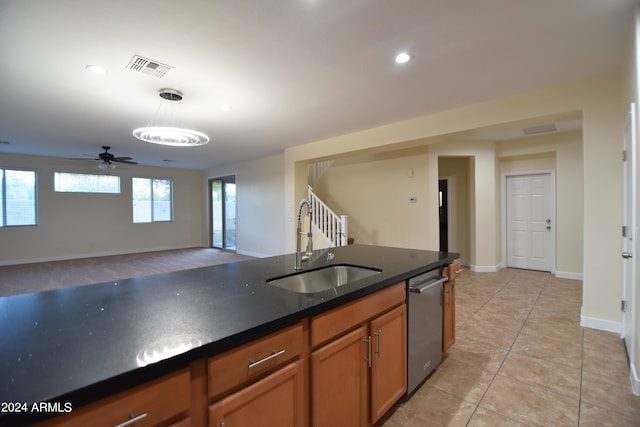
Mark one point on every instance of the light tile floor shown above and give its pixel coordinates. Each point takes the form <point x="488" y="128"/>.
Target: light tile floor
<point x="522" y="359"/>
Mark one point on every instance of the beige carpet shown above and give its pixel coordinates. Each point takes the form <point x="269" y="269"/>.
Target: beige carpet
<point x="25" y="278"/>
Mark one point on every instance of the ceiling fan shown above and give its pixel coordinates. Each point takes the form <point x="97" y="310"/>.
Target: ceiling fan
<point x="107" y="159"/>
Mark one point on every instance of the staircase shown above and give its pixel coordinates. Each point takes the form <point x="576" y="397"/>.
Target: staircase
<point x="316" y="170"/>
<point x="332" y="226"/>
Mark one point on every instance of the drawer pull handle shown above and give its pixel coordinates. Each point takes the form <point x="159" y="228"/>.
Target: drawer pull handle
<point x="132" y="420"/>
<point x="378" y="334"/>
<point x="273" y="355"/>
<point x="368" y="358"/>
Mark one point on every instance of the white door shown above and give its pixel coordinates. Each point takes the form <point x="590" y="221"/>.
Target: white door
<point x="629" y="231"/>
<point x="530" y="222"/>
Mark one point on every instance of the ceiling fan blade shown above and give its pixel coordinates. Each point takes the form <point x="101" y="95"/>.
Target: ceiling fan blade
<point x="107" y="157"/>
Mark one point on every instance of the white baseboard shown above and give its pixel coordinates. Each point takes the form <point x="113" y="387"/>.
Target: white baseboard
<point x="635" y="380"/>
<point x="616" y="327"/>
<point x="485" y="268"/>
<point x="95" y="254"/>
<point x="253" y="254"/>
<point x="600" y="324"/>
<point x="568" y="275"/>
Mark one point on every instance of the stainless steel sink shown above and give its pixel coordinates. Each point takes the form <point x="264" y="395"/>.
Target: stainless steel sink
<point x="322" y="279"/>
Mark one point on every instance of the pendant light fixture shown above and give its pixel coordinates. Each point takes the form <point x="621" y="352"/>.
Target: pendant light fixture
<point x="163" y="127"/>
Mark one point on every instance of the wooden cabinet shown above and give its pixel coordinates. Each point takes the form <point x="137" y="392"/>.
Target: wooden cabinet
<point x="157" y="402"/>
<point x="344" y="367"/>
<point x="340" y="383"/>
<point x="249" y="362"/>
<point x="359" y="365"/>
<point x="261" y="383"/>
<point x="185" y="422"/>
<point x="388" y="360"/>
<point x="276" y="400"/>
<point x="448" y="315"/>
<point x="449" y="306"/>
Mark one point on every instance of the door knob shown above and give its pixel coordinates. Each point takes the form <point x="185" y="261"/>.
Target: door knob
<point x="548" y="221"/>
<point x="548" y="227"/>
<point x="626" y="255"/>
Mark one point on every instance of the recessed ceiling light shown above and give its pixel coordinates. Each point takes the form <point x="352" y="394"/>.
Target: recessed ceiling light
<point x="96" y="69"/>
<point x="225" y="107"/>
<point x="403" y="58"/>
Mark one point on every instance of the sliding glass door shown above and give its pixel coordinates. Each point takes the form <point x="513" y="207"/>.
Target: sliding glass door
<point x="223" y="212"/>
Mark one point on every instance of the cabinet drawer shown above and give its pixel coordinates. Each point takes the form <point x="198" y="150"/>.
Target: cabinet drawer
<point x="244" y="363"/>
<point x="332" y="323"/>
<point x="160" y="400"/>
<point x="455" y="268"/>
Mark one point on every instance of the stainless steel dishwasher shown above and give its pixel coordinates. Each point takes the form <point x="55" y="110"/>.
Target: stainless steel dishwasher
<point x="424" y="330"/>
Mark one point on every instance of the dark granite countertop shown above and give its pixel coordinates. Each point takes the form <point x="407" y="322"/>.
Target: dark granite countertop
<point x="83" y="343"/>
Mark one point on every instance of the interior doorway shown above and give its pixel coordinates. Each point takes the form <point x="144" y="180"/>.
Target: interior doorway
<point x="443" y="196"/>
<point x="223" y="223"/>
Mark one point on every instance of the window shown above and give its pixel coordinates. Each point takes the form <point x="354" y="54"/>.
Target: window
<point x="152" y="200"/>
<point x="18" y="197"/>
<point x="86" y="183"/>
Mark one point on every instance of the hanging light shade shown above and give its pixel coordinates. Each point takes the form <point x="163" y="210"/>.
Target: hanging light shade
<point x="163" y="128"/>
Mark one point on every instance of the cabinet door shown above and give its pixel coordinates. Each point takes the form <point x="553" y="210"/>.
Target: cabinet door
<point x="389" y="360"/>
<point x="339" y="381"/>
<point x="448" y="314"/>
<point x="276" y="400"/>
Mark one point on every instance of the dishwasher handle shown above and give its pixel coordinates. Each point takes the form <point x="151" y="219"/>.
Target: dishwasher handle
<point x="423" y="287"/>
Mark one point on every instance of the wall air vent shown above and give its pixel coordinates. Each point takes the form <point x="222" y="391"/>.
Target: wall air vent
<point x="533" y="130"/>
<point x="147" y="66"/>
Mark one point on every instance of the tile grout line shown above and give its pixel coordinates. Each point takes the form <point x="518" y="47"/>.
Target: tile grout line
<point x="498" y="292"/>
<point x="581" y="351"/>
<point x="508" y="350"/>
<point x="477" y="405"/>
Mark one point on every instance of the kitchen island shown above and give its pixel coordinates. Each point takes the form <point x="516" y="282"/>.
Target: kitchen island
<point x="73" y="346"/>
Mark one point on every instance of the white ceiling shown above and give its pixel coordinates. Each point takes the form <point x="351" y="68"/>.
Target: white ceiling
<point x="294" y="71"/>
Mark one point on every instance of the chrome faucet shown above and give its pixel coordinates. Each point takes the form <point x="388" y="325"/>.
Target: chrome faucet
<point x="299" y="233"/>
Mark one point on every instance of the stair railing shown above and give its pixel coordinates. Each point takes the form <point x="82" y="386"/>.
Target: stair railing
<point x="332" y="226"/>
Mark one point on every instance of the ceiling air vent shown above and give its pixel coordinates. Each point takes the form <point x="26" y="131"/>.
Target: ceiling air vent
<point x="144" y="65"/>
<point x="533" y="130"/>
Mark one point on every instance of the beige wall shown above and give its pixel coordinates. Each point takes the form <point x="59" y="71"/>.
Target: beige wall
<point x="459" y="169"/>
<point x="76" y="225"/>
<point x="561" y="152"/>
<point x="600" y="101"/>
<point x="374" y="190"/>
<point x="260" y="212"/>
